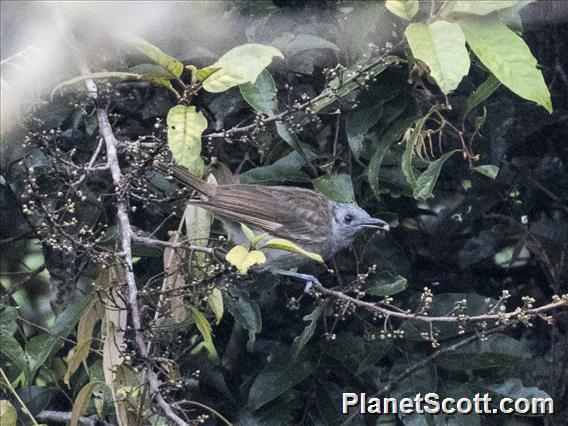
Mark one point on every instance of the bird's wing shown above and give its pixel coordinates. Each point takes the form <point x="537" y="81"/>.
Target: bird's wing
<point x="286" y="212"/>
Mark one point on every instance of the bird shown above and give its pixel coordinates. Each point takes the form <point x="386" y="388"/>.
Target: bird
<point x="303" y="216"/>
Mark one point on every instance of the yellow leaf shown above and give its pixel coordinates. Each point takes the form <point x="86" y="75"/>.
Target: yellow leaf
<point x="77" y="355"/>
<point x="243" y="259"/>
<point x="185" y="126"/>
<point x="286" y="245"/>
<point x="8" y="414"/>
<point x="215" y="301"/>
<point x="81" y="402"/>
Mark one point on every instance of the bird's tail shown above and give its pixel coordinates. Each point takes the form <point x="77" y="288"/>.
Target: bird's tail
<point x="182" y="175"/>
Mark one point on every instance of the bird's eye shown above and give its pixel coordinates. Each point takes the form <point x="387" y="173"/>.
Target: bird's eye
<point x="348" y="218"/>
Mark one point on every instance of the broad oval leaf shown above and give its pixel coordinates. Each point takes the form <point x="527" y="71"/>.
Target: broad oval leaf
<point x="243" y="259"/>
<point x="171" y="64"/>
<point x="476" y="7"/>
<point x="508" y="57"/>
<point x="286" y="245"/>
<point x="405" y="9"/>
<point x="261" y="95"/>
<point x="294" y="43"/>
<point x="441" y="45"/>
<point x="240" y="65"/>
<point x="337" y="187"/>
<point x="279" y="375"/>
<point x="185" y="126"/>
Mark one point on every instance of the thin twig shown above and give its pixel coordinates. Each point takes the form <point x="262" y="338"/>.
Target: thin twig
<point x="13" y="391"/>
<point x="516" y="314"/>
<point x="171" y="244"/>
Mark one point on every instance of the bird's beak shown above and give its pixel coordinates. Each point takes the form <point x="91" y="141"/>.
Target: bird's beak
<point x="376" y="223"/>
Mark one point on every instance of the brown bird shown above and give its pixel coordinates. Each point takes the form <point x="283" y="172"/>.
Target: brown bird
<point x="305" y="217"/>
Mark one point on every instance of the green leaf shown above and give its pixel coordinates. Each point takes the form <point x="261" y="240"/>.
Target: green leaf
<point x="480" y="94"/>
<point x="487" y="170"/>
<point x="8" y="317"/>
<point x="336" y="187"/>
<point x="286" y="245"/>
<point x="261" y="95"/>
<point x="393" y="134"/>
<point x="284" y="169"/>
<point x="8" y="414"/>
<point x="290" y="43"/>
<point x="405" y="9"/>
<point x="508" y="57"/>
<point x="240" y="65"/>
<point x="356" y="354"/>
<point x="205" y="329"/>
<point x="171" y="64"/>
<point x="246" y="312"/>
<point x="499" y="350"/>
<point x="215" y="302"/>
<point x="385" y="284"/>
<point x="203" y="73"/>
<point x="358" y="124"/>
<point x="441" y="45"/>
<point x="248" y="232"/>
<point x="291" y="139"/>
<point x="278" y="376"/>
<point x="40" y="347"/>
<point x="12" y="349"/>
<point x="406" y="162"/>
<point x="113" y="74"/>
<point x="185" y="126"/>
<point x="475" y="7"/>
<point x="243" y="259"/>
<point x="426" y="182"/>
<point x="301" y="340"/>
<point x="514" y="388"/>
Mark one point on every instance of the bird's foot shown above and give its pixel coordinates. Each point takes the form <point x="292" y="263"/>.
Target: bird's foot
<point x="310" y="280"/>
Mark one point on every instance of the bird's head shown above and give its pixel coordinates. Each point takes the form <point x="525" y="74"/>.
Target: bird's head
<point x="349" y="219"/>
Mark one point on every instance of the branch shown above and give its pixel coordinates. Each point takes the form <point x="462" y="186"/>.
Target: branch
<point x="159" y="243"/>
<point x="326" y="93"/>
<point x="126" y="236"/>
<point x="65" y="417"/>
<point x="517" y="314"/>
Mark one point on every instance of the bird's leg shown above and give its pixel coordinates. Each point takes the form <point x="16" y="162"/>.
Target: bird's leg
<point x="309" y="279"/>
